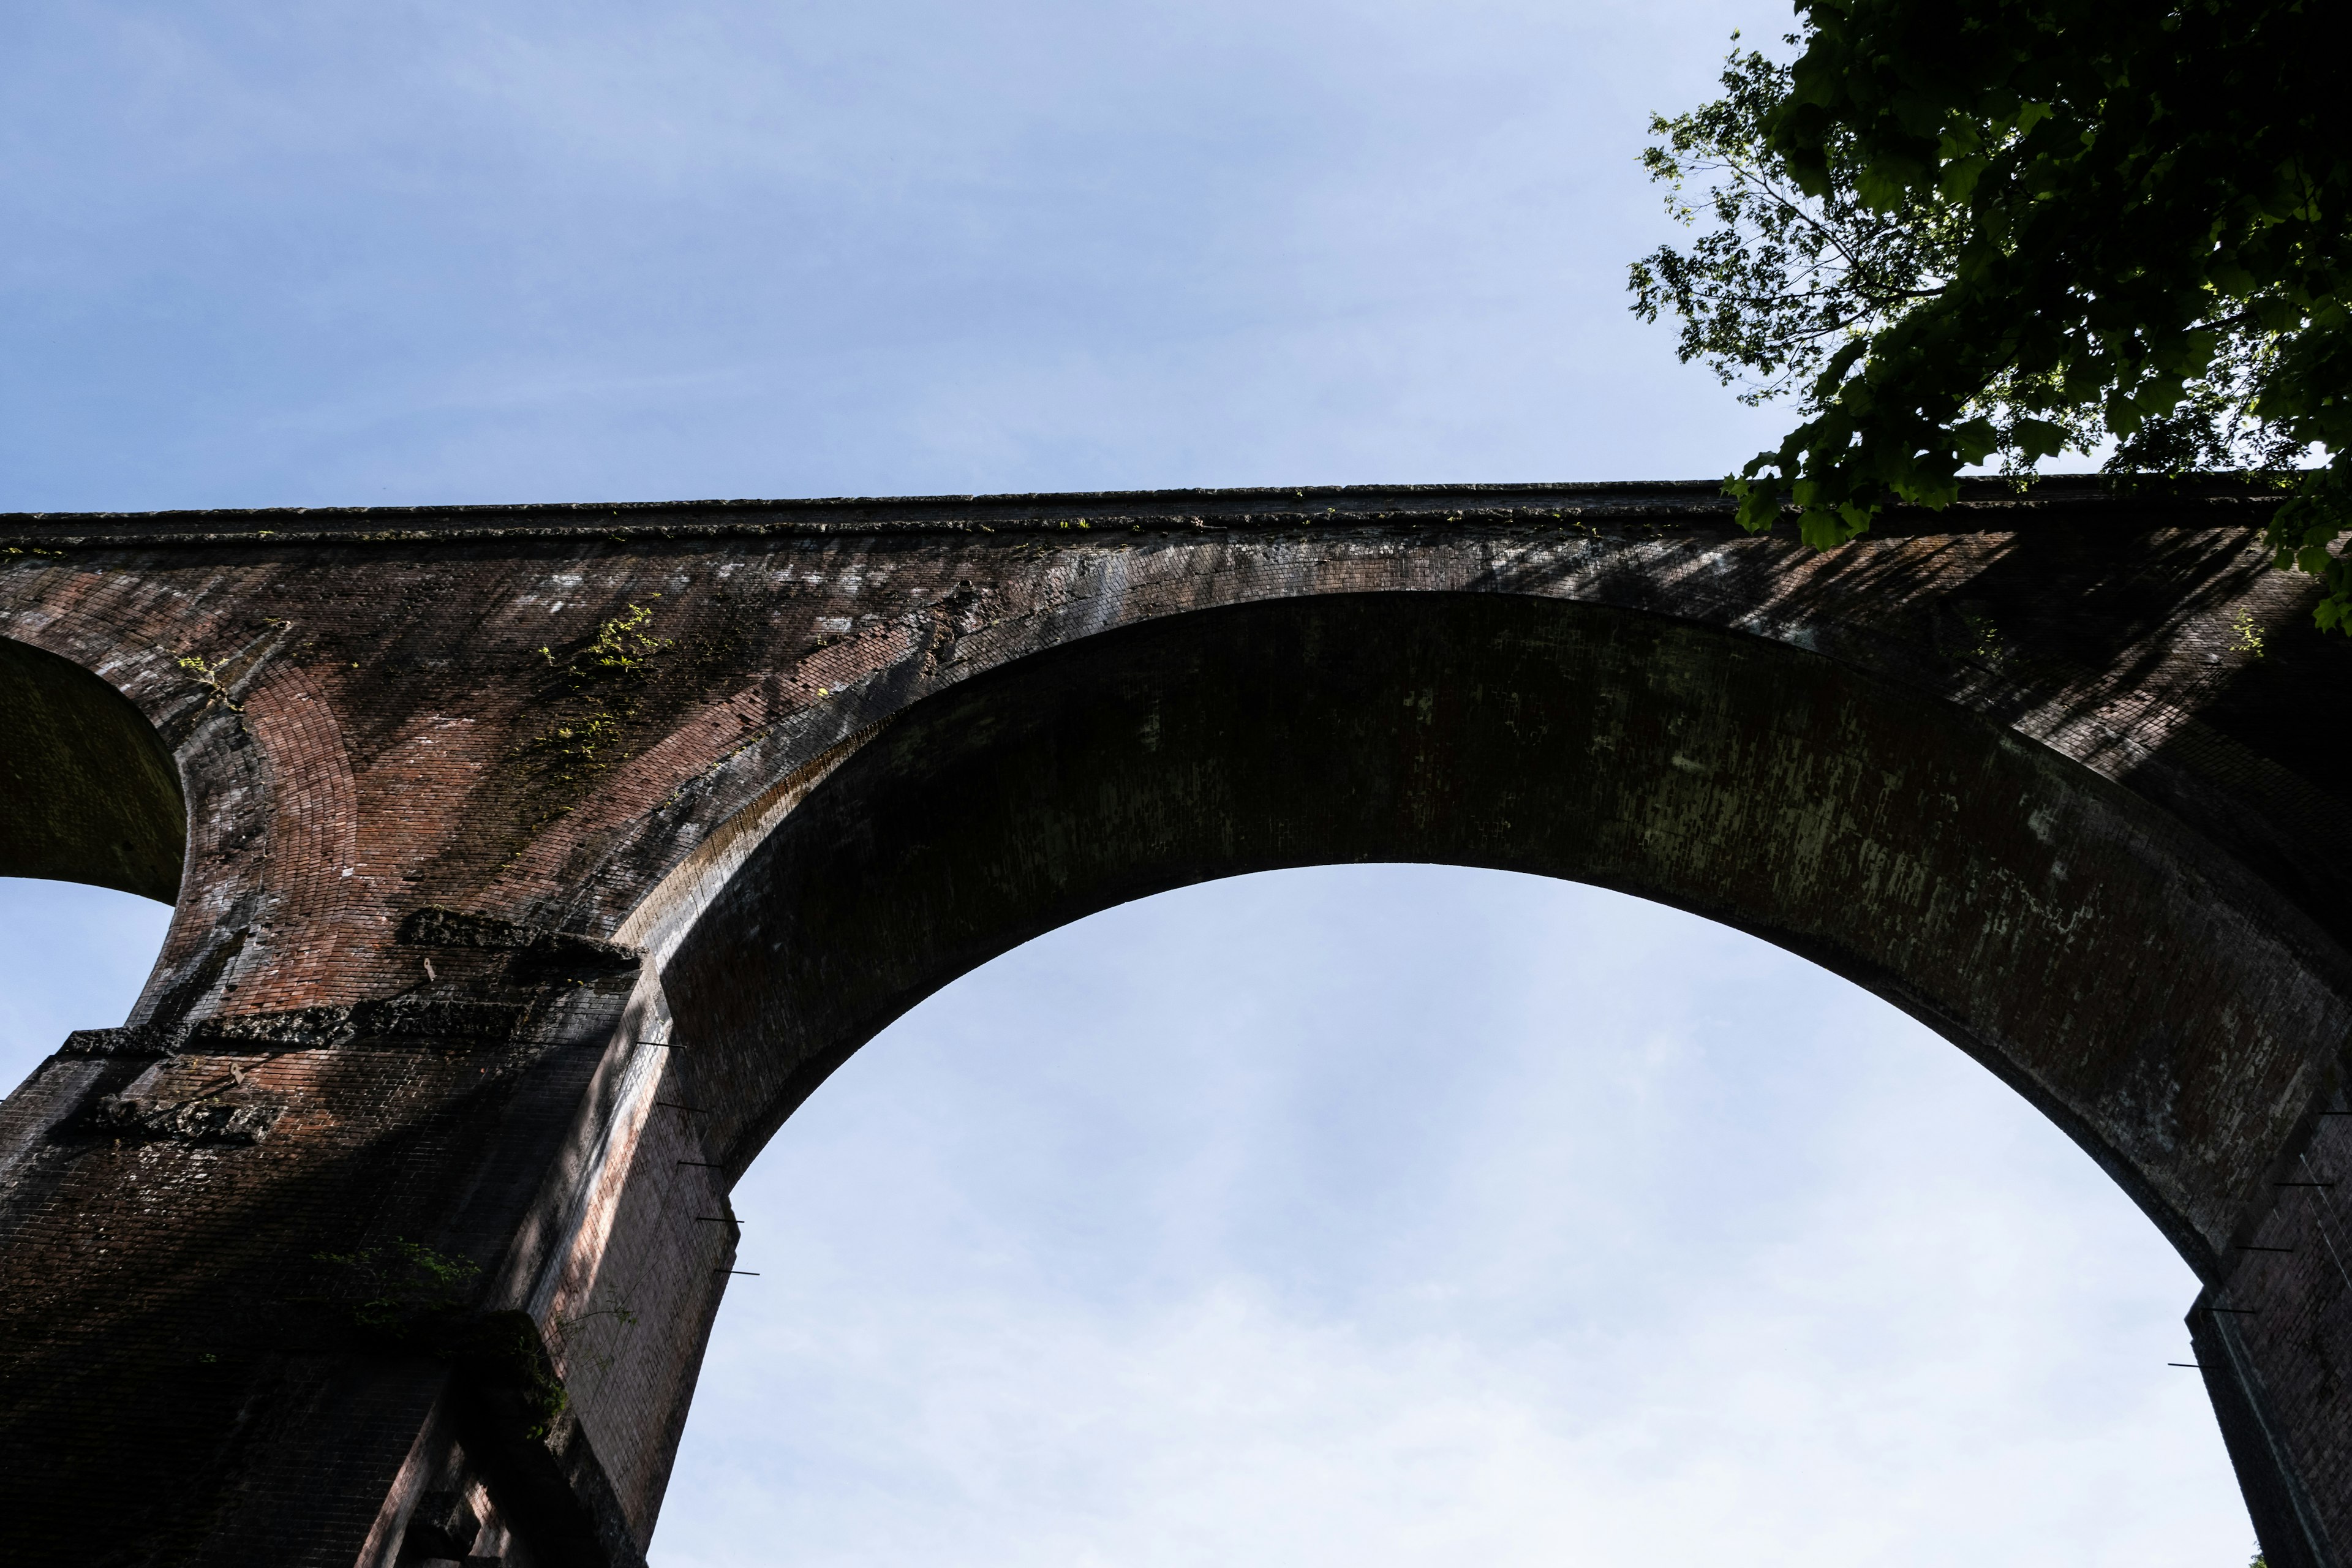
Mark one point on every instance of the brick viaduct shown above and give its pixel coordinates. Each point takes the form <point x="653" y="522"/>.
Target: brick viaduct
<point x="532" y="864"/>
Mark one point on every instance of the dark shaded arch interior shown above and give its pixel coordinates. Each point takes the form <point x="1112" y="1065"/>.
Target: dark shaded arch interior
<point x="2068" y="935"/>
<point x="92" y="794"/>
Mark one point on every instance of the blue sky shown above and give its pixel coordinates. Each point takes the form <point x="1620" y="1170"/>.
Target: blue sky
<point x="1370" y="1214"/>
<point x="391" y="252"/>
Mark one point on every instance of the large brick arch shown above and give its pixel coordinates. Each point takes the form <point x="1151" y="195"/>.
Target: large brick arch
<point x="509" y="933"/>
<point x="2176" y="1016"/>
<point x="2173" y="1015"/>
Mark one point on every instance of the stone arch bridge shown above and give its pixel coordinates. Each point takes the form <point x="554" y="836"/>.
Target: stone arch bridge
<point x="532" y="864"/>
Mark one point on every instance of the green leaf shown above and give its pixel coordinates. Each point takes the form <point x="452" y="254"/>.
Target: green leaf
<point x="2037" y="438"/>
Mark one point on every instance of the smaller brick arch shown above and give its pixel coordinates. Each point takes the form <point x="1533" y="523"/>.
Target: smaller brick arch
<point x="92" y="793"/>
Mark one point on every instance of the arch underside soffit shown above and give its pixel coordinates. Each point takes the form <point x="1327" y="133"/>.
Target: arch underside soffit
<point x="92" y="794"/>
<point x="2134" y="985"/>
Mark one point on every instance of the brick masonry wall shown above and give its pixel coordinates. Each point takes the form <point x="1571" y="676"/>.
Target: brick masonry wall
<point x="577" y="725"/>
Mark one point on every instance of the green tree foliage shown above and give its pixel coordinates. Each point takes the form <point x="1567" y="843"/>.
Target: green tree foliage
<point x="2016" y="228"/>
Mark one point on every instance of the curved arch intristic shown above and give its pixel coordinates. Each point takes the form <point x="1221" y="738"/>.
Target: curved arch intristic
<point x="2169" y="1012"/>
<point x="92" y="794"/>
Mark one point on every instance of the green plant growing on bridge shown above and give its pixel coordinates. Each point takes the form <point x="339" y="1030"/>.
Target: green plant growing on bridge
<point x="503" y="1350"/>
<point x="600" y="695"/>
<point x="407" y="1297"/>
<point x="209" y="678"/>
<point x="620" y="648"/>
<point x="567" y="1327"/>
<point x="404" y="1290"/>
<point x="1986" y="646"/>
<point x="2018" y="229"/>
<point x="2250" y="635"/>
